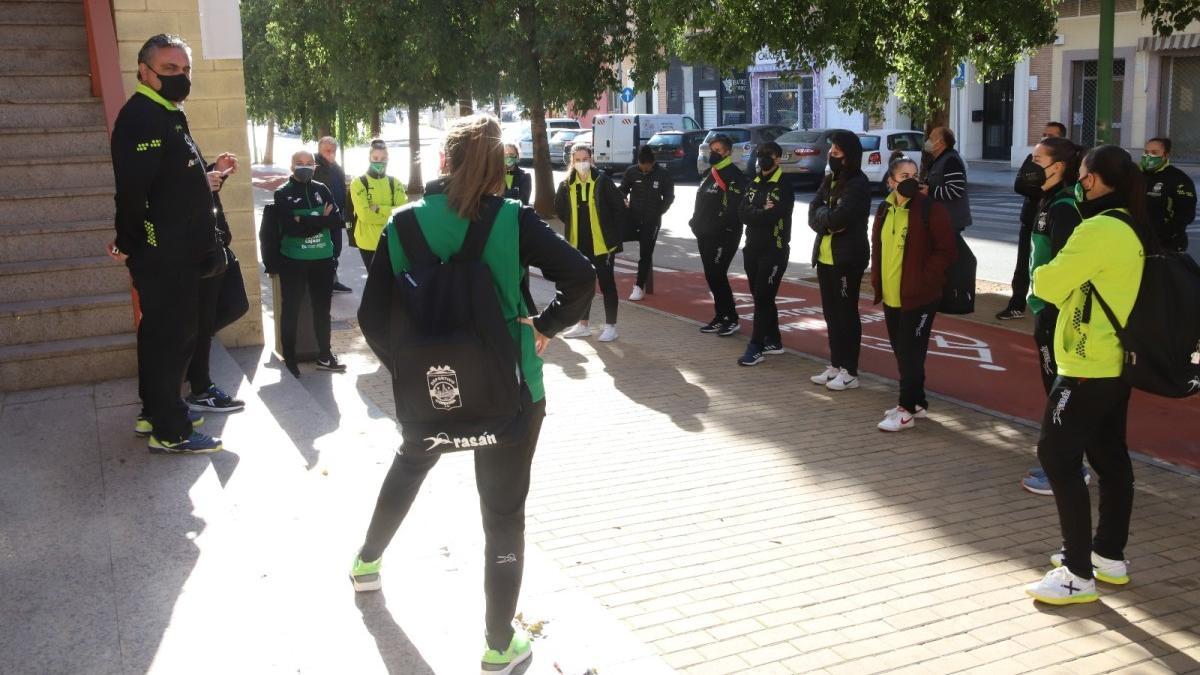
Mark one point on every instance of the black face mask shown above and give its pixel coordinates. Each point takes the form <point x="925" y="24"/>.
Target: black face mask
<point x="715" y="158"/>
<point x="766" y="163"/>
<point x="173" y="87"/>
<point x="836" y="164"/>
<point x="303" y="174"/>
<point x="1032" y="175"/>
<point x="908" y="188"/>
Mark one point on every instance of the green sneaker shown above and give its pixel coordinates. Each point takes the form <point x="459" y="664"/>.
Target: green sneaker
<point x="365" y="575"/>
<point x="503" y="663"/>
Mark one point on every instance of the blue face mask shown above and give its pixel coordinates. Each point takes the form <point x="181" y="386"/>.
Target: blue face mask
<point x="303" y="174"/>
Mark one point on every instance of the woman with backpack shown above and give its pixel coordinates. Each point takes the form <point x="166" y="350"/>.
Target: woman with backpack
<point x="1101" y="264"/>
<point x="374" y="195"/>
<point x="838" y="214"/>
<point x="470" y="192"/>
<point x="1052" y="171"/>
<point x="591" y="207"/>
<point x="912" y="246"/>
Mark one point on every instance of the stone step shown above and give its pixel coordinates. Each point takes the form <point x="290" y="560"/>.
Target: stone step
<point x="36" y="173"/>
<point x="52" y="241"/>
<point x="40" y="113"/>
<point x="44" y="87"/>
<point x="54" y="36"/>
<point x="65" y="318"/>
<point x="60" y="141"/>
<point x="42" y="13"/>
<point x="54" y="205"/>
<point x="75" y="361"/>
<point x="66" y="277"/>
<point x="21" y="60"/>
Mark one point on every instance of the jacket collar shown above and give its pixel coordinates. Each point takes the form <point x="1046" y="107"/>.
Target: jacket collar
<point x="774" y="177"/>
<point x="149" y="93"/>
<point x="723" y="163"/>
<point x="1111" y="200"/>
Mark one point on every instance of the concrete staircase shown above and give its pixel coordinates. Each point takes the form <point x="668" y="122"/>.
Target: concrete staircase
<point x="65" y="310"/>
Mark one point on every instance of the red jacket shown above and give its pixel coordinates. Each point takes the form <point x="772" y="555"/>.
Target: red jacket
<point x="929" y="250"/>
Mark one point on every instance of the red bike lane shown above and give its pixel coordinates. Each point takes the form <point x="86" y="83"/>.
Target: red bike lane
<point x="969" y="361"/>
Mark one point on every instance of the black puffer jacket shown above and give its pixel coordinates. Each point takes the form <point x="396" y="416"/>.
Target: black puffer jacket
<point x="842" y="208"/>
<point x="610" y="207"/>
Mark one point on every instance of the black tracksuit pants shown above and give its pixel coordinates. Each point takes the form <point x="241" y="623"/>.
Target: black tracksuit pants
<point x="716" y="252"/>
<point x="647" y="238"/>
<point x="1043" y="337"/>
<point x="296" y="276"/>
<point x="764" y="272"/>
<point x="169" y="298"/>
<point x="502" y="478"/>
<point x="367" y="256"/>
<point x="1020" y="280"/>
<point x="605" y="277"/>
<point x="1087" y="417"/>
<point x="839" y="304"/>
<point x="197" y="373"/>
<point x="908" y="331"/>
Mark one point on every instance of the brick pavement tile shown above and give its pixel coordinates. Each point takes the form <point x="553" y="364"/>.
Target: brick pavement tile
<point x="683" y="659"/>
<point x="811" y="661"/>
<point x="769" y="654"/>
<point x="721" y="666"/>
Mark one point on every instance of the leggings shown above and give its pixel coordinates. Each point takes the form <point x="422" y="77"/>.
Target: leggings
<point x="908" y="331"/>
<point x="839" y="304"/>
<point x="1087" y="416"/>
<point x="502" y="478"/>
<point x="764" y="272"/>
<point x="647" y="238"/>
<point x="197" y="373"/>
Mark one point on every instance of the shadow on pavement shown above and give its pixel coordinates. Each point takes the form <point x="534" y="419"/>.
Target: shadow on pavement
<point x="400" y="656"/>
<point x="671" y="394"/>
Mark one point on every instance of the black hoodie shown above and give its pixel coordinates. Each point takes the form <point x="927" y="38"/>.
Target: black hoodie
<point x="842" y="207"/>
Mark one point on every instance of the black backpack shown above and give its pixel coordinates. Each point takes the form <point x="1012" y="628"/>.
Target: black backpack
<point x="1161" y="337"/>
<point x="958" y="297"/>
<point x="456" y="374"/>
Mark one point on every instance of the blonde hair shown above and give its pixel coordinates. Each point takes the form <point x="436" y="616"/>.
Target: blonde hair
<point x="475" y="160"/>
<point x="571" y="175"/>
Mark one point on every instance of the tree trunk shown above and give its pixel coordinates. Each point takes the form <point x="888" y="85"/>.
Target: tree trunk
<point x="464" y="104"/>
<point x="416" y="185"/>
<point x="269" y="151"/>
<point x="496" y="107"/>
<point x="325" y="128"/>
<point x="376" y="127"/>
<point x="543" y="179"/>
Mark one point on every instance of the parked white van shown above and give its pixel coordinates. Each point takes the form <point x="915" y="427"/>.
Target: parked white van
<point x="616" y="138"/>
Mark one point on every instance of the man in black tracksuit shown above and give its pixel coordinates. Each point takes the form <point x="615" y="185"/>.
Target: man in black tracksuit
<point x="650" y="191"/>
<point x="306" y="215"/>
<point x="718" y="230"/>
<point x="767" y="212"/>
<point x="1028" y="218"/>
<point x="1170" y="195"/>
<point x="330" y="174"/>
<point x="165" y="224"/>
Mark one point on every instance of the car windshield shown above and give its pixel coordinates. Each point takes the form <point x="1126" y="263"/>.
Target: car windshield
<point x="735" y="135"/>
<point x="869" y="142"/>
<point x="799" y="137"/>
<point x="659" y="140"/>
<point x="564" y="135"/>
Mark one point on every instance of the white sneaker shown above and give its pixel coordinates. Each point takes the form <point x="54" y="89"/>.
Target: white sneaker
<point x="921" y="413"/>
<point x="897" y="419"/>
<point x="609" y="333"/>
<point x="579" y="330"/>
<point x="826" y="375"/>
<point x="843" y="381"/>
<point x="637" y="294"/>
<point x="1108" y="571"/>
<point x="1061" y="587"/>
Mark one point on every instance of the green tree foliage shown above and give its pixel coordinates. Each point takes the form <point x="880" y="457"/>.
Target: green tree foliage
<point x="909" y="48"/>
<point x="1168" y="16"/>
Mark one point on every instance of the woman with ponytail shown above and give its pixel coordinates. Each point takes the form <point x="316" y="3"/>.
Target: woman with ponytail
<point x="1087" y="407"/>
<point x="518" y="238"/>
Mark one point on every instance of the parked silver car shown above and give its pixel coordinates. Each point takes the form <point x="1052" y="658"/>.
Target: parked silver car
<point x="806" y="154"/>
<point x="746" y="138"/>
<point x="559" y="139"/>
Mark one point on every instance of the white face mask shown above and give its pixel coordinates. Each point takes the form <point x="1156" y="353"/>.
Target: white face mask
<point x="583" y="168"/>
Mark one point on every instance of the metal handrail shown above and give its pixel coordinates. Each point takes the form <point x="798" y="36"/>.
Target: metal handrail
<point x="105" y="58"/>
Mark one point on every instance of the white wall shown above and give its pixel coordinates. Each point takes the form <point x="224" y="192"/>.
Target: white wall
<point x="829" y="103"/>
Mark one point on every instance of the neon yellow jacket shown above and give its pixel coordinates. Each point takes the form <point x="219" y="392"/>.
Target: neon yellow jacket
<point x="387" y="193"/>
<point x="1106" y="252"/>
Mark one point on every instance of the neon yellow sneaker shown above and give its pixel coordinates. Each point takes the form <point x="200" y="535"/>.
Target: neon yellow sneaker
<point x="503" y="663"/>
<point x="142" y="427"/>
<point x="365" y="575"/>
<point x="1109" y="571"/>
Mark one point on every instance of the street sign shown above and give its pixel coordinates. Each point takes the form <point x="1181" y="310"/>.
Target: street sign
<point x="627" y="94"/>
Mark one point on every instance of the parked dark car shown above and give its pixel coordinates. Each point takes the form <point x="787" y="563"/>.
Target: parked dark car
<point x="745" y="137"/>
<point x="675" y="151"/>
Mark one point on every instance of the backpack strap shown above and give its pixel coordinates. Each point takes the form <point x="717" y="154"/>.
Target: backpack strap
<point x="1095" y="292"/>
<point x="478" y="231"/>
<point x="410" y="236"/>
<point x="367" y="187"/>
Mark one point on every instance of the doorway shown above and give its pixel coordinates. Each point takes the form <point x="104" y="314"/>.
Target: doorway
<point x="998" y="118"/>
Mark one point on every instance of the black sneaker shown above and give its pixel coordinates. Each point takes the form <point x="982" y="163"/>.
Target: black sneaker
<point x="339" y="287"/>
<point x="727" y="328"/>
<point x="1010" y="314"/>
<point x="331" y="364"/>
<point x="293" y="368"/>
<point x="214" y="400"/>
<point x="711" y="327"/>
<point x="196" y="444"/>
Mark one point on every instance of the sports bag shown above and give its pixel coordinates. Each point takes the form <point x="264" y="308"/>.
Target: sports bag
<point x="455" y="368"/>
<point x="958" y="297"/>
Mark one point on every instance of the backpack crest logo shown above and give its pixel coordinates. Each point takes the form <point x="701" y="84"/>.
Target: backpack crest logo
<point x="443" y="388"/>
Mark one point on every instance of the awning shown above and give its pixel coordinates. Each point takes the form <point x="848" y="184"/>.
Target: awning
<point x="1171" y="42"/>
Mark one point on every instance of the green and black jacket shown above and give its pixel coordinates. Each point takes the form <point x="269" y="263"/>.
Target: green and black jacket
<point x="309" y="238"/>
<point x="1057" y="217"/>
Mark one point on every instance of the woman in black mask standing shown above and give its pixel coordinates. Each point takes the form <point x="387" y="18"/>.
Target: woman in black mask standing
<point x="838" y="214"/>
